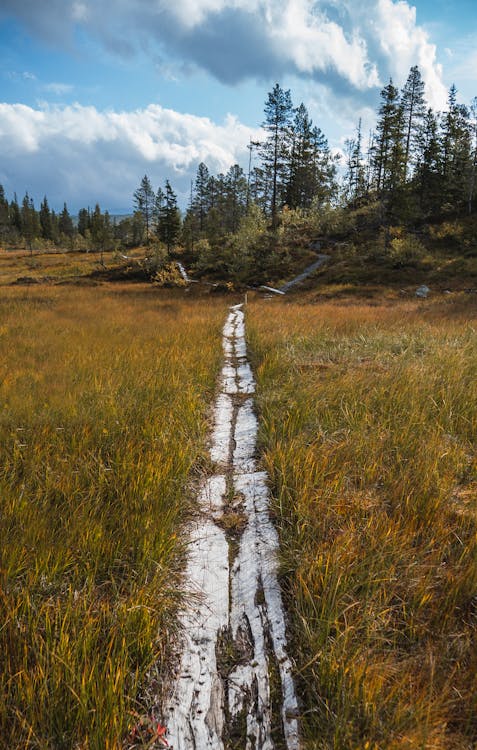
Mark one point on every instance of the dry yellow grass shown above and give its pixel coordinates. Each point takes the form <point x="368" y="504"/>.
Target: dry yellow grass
<point x="368" y="426"/>
<point x="104" y="395"/>
<point x="60" y="265"/>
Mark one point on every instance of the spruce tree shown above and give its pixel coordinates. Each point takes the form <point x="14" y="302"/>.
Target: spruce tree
<point x="324" y="185"/>
<point x="158" y="204"/>
<point x="301" y="177"/>
<point x="15" y="214"/>
<point x="84" y="221"/>
<point x="428" y="176"/>
<point x="4" y="218"/>
<point x="45" y="220"/>
<point x="144" y="200"/>
<point x="355" y="179"/>
<point x="473" y="157"/>
<point x="202" y="199"/>
<point x="30" y="221"/>
<point x="65" y="223"/>
<point x="413" y="107"/>
<point x="234" y="198"/>
<point x="102" y="234"/>
<point x="387" y="153"/>
<point x="456" y="153"/>
<point x="169" y="218"/>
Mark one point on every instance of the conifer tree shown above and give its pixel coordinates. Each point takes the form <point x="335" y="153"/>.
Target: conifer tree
<point x="169" y="218"/>
<point x="15" y="214"/>
<point x="45" y="220"/>
<point x="144" y="200"/>
<point x="202" y="199"/>
<point x="413" y="107"/>
<point x="4" y="217"/>
<point x="473" y="156"/>
<point x="259" y="189"/>
<point x="278" y="115"/>
<point x="84" y="221"/>
<point x="428" y="168"/>
<point x="234" y="198"/>
<point x="355" y="180"/>
<point x="324" y="163"/>
<point x="301" y="172"/>
<point x="387" y="144"/>
<point x="65" y="222"/>
<point x="30" y="222"/>
<point x="158" y="204"/>
<point x="456" y="153"/>
<point x="102" y="234"/>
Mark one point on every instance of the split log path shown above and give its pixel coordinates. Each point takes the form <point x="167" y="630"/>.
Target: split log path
<point x="321" y="260"/>
<point x="234" y="687"/>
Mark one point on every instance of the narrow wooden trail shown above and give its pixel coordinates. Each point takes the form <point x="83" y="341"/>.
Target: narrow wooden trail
<point x="234" y="687"/>
<point x="321" y="260"/>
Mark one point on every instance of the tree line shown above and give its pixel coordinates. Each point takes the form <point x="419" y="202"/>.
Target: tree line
<point x="416" y="164"/>
<point x="93" y="229"/>
<point x="419" y="164"/>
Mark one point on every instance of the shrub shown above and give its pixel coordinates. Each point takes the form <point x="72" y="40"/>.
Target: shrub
<point x="406" y="250"/>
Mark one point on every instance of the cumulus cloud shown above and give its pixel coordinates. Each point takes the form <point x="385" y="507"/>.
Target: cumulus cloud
<point x="80" y="154"/>
<point x="405" y="43"/>
<point x="342" y="43"/>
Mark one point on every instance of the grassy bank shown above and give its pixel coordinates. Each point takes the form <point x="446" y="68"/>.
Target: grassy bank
<point x="104" y="396"/>
<point x="369" y="424"/>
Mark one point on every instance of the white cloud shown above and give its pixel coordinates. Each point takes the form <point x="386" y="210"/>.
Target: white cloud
<point x="58" y="88"/>
<point x="314" y="43"/>
<point x="343" y="43"/>
<point x="406" y="44"/>
<point x="81" y="155"/>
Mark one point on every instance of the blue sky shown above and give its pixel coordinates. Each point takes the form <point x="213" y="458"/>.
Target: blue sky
<point x="95" y="93"/>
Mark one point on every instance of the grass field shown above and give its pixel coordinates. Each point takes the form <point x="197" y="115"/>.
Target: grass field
<point x="369" y="429"/>
<point x="104" y="394"/>
<point x="368" y="415"/>
<point x="59" y="265"/>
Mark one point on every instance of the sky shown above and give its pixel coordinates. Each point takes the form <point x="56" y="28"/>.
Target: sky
<point x="96" y="93"/>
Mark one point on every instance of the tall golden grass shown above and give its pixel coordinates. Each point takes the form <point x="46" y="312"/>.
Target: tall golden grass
<point x="104" y="396"/>
<point x="369" y="430"/>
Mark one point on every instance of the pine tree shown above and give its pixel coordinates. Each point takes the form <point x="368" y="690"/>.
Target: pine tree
<point x="278" y="115"/>
<point x="144" y="200"/>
